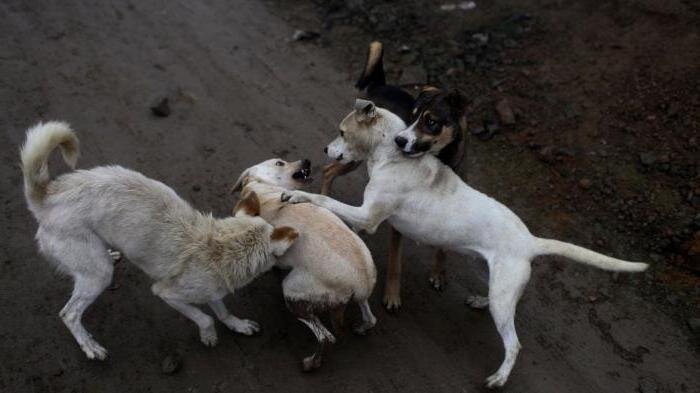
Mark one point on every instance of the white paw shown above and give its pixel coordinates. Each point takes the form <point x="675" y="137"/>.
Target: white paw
<point x="361" y="329"/>
<point x="294" y="197"/>
<point x="208" y="336"/>
<point x="93" y="350"/>
<point x="478" y="302"/>
<point x="243" y="326"/>
<point x="496" y="380"/>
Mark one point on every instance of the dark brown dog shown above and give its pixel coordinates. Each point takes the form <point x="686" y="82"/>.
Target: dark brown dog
<point x="438" y="118"/>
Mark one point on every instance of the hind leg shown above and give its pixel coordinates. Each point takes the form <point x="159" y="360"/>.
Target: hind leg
<point x="438" y="276"/>
<point x="91" y="268"/>
<point x="324" y="338"/>
<point x="506" y="284"/>
<point x="243" y="326"/>
<point x="368" y="319"/>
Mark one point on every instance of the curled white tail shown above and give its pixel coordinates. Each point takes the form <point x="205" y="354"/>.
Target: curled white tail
<point x="586" y="256"/>
<point x="42" y="139"/>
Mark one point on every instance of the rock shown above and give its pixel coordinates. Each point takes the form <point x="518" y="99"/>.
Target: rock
<point x="162" y="108"/>
<point x="448" y="7"/>
<point x="505" y="112"/>
<point x="647" y="159"/>
<point x="466" y="5"/>
<point x="304" y="35"/>
<point x="171" y="364"/>
<point x="585" y="183"/>
<point x="648" y="385"/>
<point x="404" y="48"/>
<point x="481" y="38"/>
<point x="694" y="325"/>
<point x="485" y="131"/>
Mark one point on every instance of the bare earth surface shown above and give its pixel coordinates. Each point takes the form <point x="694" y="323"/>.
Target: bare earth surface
<point x="587" y="90"/>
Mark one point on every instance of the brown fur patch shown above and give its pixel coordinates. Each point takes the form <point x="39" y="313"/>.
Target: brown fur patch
<point x="284" y="233"/>
<point x="250" y="205"/>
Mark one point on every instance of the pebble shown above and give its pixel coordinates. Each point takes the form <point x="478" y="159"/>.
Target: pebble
<point x="170" y="365"/>
<point x="505" y="112"/>
<point x="304" y="35"/>
<point x="162" y="108"/>
<point x="585" y="183"/>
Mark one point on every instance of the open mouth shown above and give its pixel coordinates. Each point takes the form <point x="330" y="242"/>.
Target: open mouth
<point x="303" y="175"/>
<point x="412" y="154"/>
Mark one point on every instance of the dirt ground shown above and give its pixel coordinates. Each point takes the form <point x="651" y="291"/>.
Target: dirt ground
<point x="602" y="151"/>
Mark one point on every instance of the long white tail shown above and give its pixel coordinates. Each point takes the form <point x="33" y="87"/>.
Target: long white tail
<point x="586" y="256"/>
<point x="42" y="139"/>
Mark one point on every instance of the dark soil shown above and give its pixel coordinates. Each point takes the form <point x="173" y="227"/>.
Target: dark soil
<point x="601" y="150"/>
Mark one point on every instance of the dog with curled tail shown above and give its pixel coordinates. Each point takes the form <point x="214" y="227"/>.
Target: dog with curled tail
<point x="193" y="257"/>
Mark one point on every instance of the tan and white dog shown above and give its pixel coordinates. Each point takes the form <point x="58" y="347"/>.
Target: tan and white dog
<point x="426" y="201"/>
<point x="330" y="265"/>
<point x="193" y="257"/>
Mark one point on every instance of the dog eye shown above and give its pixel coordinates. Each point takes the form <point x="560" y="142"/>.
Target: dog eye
<point x="432" y="124"/>
<point x="279" y="163"/>
<point x="342" y="133"/>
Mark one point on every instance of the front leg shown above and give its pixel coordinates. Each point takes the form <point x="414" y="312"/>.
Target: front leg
<point x="366" y="217"/>
<point x="243" y="326"/>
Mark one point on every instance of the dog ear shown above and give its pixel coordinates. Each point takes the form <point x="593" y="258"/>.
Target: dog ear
<point x="240" y="183"/>
<point x="365" y="110"/>
<point x="457" y="102"/>
<point x="426" y="94"/>
<point x="250" y="205"/>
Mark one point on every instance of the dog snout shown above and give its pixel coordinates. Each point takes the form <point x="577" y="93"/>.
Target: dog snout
<point x="401" y="141"/>
<point x="305" y="163"/>
<point x="340" y="157"/>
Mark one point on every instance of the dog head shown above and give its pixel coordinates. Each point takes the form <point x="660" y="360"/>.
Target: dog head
<point x="361" y="130"/>
<point x="438" y="120"/>
<point x="278" y="172"/>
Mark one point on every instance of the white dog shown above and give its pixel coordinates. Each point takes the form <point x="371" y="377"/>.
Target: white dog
<point x="424" y="200"/>
<point x="193" y="258"/>
<point x="330" y="265"/>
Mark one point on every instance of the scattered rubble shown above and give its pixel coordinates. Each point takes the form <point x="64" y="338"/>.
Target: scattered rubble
<point x="161" y="108"/>
<point x="304" y="35"/>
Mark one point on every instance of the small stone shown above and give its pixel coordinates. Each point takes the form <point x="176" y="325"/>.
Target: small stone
<point x="448" y="7"/>
<point x="481" y="38"/>
<point x="162" y="108"/>
<point x="170" y="365"/>
<point x="404" y="48"/>
<point x="585" y="183"/>
<point x="648" y="385"/>
<point x="505" y="112"/>
<point x="467" y="5"/>
<point x="304" y="35"/>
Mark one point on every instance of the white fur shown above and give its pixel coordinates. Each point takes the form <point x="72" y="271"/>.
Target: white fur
<point x="426" y="201"/>
<point x="193" y="257"/>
